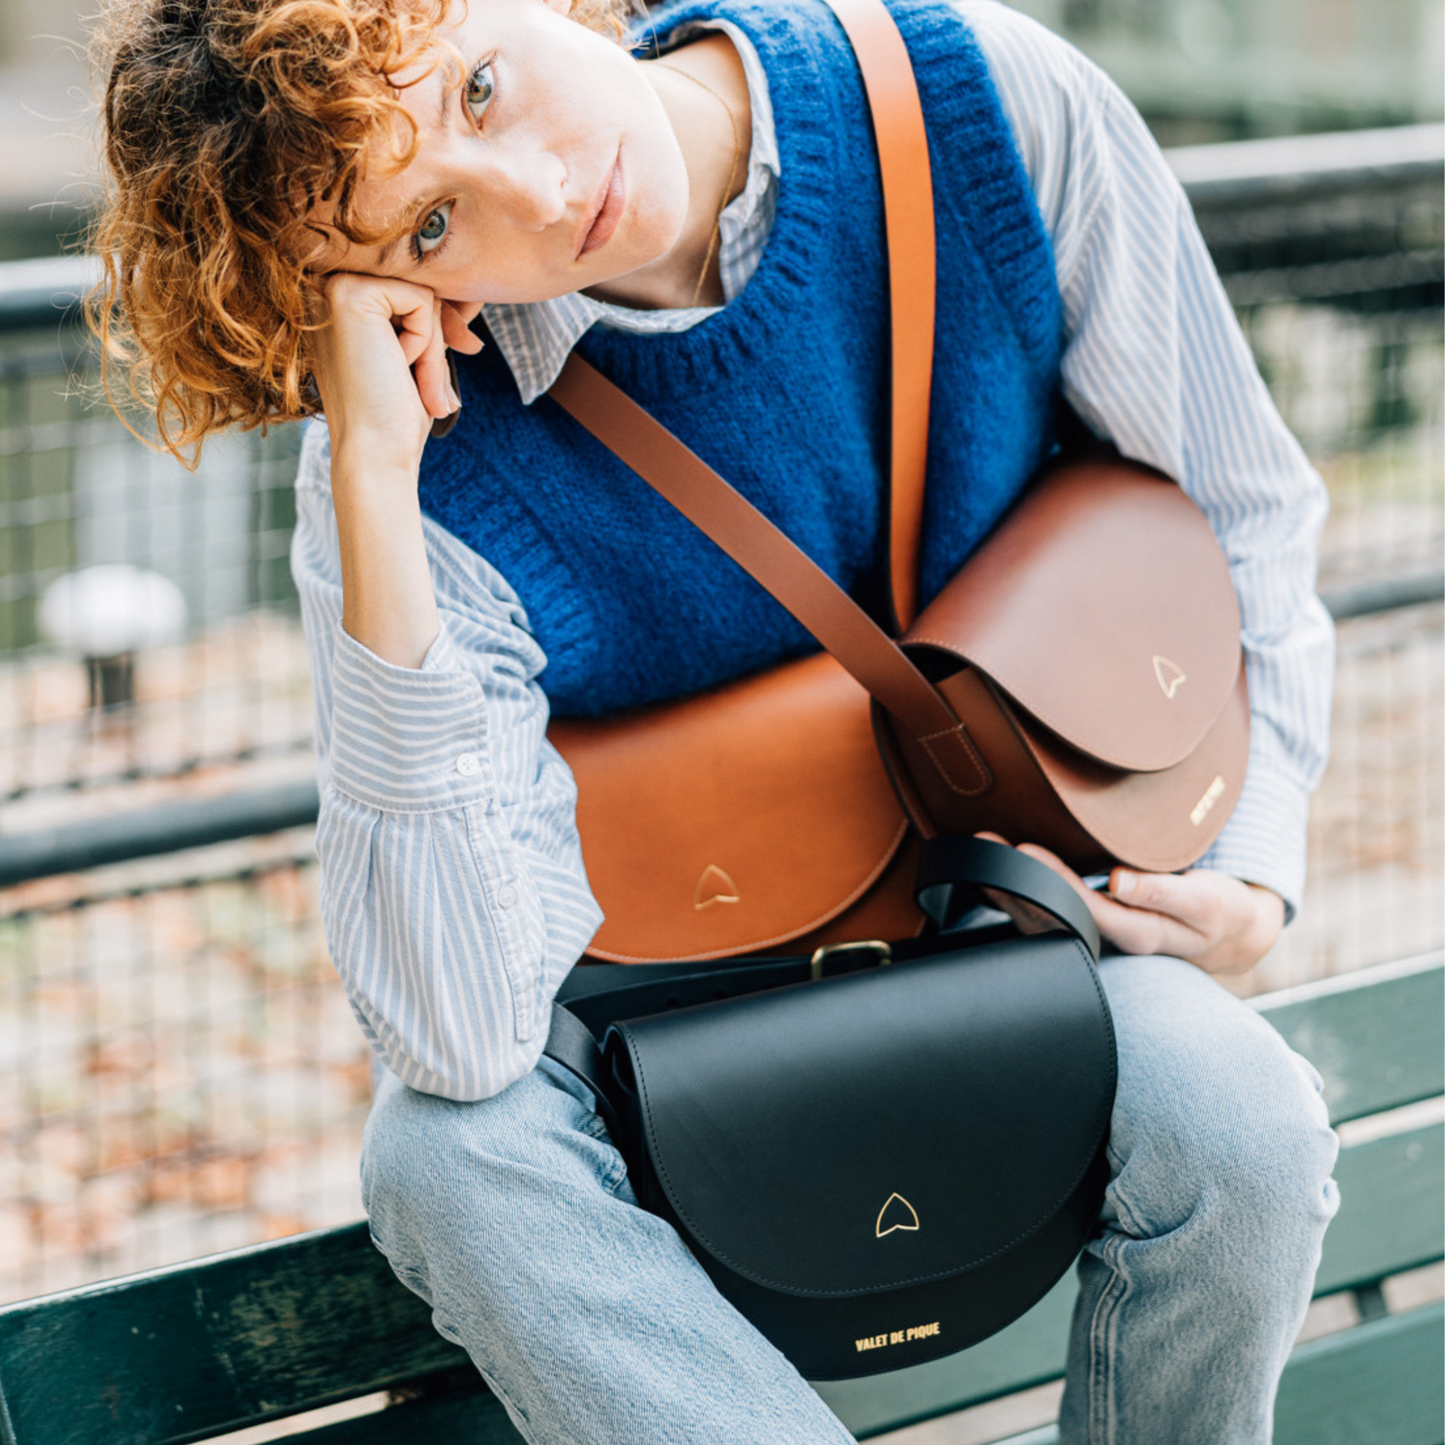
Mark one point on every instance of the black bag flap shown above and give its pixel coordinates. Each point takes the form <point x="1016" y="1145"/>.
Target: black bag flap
<point x="882" y="1128"/>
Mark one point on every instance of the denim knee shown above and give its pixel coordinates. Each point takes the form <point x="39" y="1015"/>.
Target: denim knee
<point x="1219" y="1126"/>
<point x="434" y="1170"/>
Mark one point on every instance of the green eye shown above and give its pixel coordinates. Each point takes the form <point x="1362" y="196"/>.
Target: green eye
<point x="433" y="230"/>
<point x="481" y="85"/>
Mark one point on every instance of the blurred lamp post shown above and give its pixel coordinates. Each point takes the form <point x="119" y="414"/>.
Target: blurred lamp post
<point x="104" y="615"/>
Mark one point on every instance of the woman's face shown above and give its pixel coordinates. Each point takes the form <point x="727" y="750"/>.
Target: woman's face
<point x="550" y="168"/>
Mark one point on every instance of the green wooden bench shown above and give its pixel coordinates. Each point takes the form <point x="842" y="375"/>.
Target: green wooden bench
<point x="200" y="1349"/>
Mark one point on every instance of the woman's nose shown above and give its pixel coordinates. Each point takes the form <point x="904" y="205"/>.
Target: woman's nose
<point x="527" y="186"/>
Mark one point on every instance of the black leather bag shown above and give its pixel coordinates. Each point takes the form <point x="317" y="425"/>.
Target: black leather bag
<point x="880" y="1155"/>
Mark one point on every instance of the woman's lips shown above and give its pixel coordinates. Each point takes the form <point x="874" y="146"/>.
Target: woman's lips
<point x="608" y="214"/>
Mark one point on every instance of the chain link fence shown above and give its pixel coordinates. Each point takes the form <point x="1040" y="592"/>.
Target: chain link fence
<point x="178" y="1070"/>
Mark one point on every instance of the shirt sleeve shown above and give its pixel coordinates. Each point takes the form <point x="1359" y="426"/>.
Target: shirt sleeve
<point x="1154" y="361"/>
<point x="452" y="888"/>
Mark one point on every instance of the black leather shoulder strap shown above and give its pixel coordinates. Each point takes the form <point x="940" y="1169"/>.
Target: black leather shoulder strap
<point x="570" y="1043"/>
<point x="949" y="862"/>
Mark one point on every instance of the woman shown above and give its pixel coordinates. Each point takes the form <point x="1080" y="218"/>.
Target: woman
<point x="332" y="189"/>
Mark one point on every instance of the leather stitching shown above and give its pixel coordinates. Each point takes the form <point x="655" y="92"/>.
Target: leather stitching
<point x="985" y="778"/>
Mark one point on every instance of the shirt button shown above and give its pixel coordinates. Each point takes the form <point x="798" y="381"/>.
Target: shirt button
<point x="467" y="765"/>
<point x="506" y="895"/>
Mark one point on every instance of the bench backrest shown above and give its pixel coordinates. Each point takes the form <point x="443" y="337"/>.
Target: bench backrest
<point x="199" y="1349"/>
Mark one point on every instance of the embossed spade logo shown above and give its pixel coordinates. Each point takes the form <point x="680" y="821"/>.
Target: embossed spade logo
<point x="714" y="887"/>
<point x="1169" y="676"/>
<point x="897" y="1213"/>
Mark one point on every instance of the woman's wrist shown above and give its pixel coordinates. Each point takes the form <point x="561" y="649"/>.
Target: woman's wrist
<point x="388" y="600"/>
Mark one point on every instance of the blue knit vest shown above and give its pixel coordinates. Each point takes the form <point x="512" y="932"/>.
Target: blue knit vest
<point x="785" y="391"/>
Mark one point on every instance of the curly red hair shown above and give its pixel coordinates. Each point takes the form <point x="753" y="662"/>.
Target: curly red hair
<point x="226" y="122"/>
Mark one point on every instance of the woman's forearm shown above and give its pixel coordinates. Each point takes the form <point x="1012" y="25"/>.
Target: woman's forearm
<point x="389" y="604"/>
<point x="380" y="366"/>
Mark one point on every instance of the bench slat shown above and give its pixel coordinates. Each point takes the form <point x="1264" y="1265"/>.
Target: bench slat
<point x="302" y="1290"/>
<point x="185" y="1353"/>
<point x="474" y="1417"/>
<point x="1378" y="1384"/>
<point x="1377" y="1036"/>
<point x="1390" y="1217"/>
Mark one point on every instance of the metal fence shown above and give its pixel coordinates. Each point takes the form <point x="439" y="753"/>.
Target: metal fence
<point x="178" y="1069"/>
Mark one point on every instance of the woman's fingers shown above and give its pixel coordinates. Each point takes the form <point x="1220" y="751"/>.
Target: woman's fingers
<point x="380" y="367"/>
<point x="1027" y="917"/>
<point x="423" y="326"/>
<point x="1197" y="899"/>
<point x="1212" y="919"/>
<point x="368" y="306"/>
<point x="1233" y="923"/>
<point x="1130" y="926"/>
<point x="1132" y="930"/>
<point x="411" y="311"/>
<point x="433" y="377"/>
<point x="456" y="326"/>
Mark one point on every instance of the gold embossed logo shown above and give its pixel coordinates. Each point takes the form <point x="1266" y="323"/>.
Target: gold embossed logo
<point x="715" y="887"/>
<point x="900" y="1212"/>
<point x="898" y="1337"/>
<point x="1211" y="797"/>
<point x="1169" y="676"/>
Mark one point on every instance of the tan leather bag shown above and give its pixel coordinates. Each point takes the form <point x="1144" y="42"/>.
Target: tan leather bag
<point x="1078" y="684"/>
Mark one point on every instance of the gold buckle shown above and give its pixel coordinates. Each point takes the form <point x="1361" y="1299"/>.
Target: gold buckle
<point x="874" y="945"/>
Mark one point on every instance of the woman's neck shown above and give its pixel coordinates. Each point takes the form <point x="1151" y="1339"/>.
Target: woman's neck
<point x="703" y="88"/>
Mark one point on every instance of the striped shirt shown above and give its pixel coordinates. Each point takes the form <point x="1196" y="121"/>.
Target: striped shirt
<point x="452" y="885"/>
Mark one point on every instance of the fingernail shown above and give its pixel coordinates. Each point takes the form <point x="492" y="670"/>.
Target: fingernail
<point x="456" y="400"/>
<point x="1123" y="882"/>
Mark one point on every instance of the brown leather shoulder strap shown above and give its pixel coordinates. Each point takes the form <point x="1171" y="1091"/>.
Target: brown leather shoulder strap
<point x="908" y="213"/>
<point x="754" y="543"/>
<point x="908" y="216"/>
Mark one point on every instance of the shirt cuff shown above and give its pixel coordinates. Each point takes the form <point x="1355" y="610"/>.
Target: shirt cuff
<point x="409" y="740"/>
<point x="1264" y="840"/>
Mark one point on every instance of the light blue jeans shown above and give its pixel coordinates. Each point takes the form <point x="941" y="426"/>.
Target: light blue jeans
<point x="514" y="1219"/>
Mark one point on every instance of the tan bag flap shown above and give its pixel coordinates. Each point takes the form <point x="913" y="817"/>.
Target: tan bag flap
<point x="1103" y="606"/>
<point x="703" y="841"/>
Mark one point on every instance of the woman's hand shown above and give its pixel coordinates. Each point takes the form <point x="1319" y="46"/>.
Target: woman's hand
<point x="1213" y="920"/>
<point x="381" y="369"/>
<point x="381" y="365"/>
